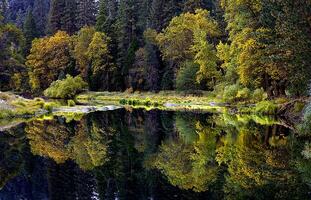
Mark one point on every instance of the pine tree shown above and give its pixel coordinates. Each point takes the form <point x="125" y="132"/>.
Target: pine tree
<point x="126" y="29"/>
<point x="3" y="7"/>
<point x="30" y="30"/>
<point x="160" y="14"/>
<point x="55" y="16"/>
<point x="62" y="16"/>
<point x="162" y="11"/>
<point x="106" y="22"/>
<point x="106" y="16"/>
<point x="18" y="6"/>
<point x="19" y="21"/>
<point x="40" y="12"/>
<point x="86" y="13"/>
<point x="69" y="17"/>
<point x="192" y="5"/>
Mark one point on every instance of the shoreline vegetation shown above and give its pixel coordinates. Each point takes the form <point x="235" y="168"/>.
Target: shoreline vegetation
<point x="224" y="56"/>
<point x="168" y="100"/>
<point x="14" y="106"/>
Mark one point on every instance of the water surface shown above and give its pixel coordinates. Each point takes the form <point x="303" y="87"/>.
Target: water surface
<point x="138" y="154"/>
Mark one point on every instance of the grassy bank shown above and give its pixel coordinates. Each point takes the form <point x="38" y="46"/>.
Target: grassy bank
<point x="15" y="106"/>
<point x="168" y="100"/>
<point x="171" y="100"/>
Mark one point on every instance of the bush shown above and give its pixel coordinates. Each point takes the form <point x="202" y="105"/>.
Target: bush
<point x="4" y="96"/>
<point x="243" y="94"/>
<point x="49" y="106"/>
<point x="259" y="95"/>
<point x="39" y="101"/>
<point x="71" y="103"/>
<point x="230" y="92"/>
<point x="67" y="88"/>
<point x="123" y="101"/>
<point x="186" y="77"/>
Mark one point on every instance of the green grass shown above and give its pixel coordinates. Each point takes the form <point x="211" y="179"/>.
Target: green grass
<point x="172" y="100"/>
<point x="147" y="98"/>
<point x="21" y="107"/>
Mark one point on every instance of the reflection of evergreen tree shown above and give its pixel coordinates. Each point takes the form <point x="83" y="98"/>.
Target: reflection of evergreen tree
<point x="255" y="166"/>
<point x="22" y="176"/>
<point x="67" y="181"/>
<point x="146" y="153"/>
<point x="84" y="141"/>
<point x="12" y="154"/>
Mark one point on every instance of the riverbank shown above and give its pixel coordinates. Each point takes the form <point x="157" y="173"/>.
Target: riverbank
<point x="15" y="106"/>
<point x="171" y="100"/>
<point x="12" y="105"/>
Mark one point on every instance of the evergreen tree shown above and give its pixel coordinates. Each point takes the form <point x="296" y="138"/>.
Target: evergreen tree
<point x="100" y="59"/>
<point x="62" y="16"/>
<point x="11" y="42"/>
<point x="106" y="22"/>
<point x="106" y="16"/>
<point x="55" y="16"/>
<point x="69" y="17"/>
<point x="160" y="14"/>
<point x="192" y="5"/>
<point x="86" y="13"/>
<point x="19" y="21"/>
<point x="30" y="30"/>
<point x="40" y="12"/>
<point x="126" y="28"/>
<point x="162" y="11"/>
<point x="18" y="9"/>
<point x="3" y="8"/>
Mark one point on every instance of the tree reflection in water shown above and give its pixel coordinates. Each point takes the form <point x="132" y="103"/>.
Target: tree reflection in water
<point x="139" y="154"/>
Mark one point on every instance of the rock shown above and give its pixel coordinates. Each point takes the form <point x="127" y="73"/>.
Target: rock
<point x="85" y="109"/>
<point x="170" y="105"/>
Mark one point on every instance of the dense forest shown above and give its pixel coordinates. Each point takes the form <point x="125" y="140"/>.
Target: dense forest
<point x="236" y="48"/>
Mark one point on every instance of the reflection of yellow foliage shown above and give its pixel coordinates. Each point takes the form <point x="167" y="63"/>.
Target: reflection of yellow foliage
<point x="48" y="139"/>
<point x="254" y="164"/>
<point x="190" y="166"/>
<point x="88" y="148"/>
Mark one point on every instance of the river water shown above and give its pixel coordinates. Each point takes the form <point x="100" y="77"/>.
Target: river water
<point x="139" y="154"/>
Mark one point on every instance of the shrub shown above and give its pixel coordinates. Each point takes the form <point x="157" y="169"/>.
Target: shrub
<point x="39" y="101"/>
<point x="6" y="113"/>
<point x="230" y="92"/>
<point x="71" y="103"/>
<point x="243" y="94"/>
<point x="4" y="96"/>
<point x="186" y="77"/>
<point x="49" y="106"/>
<point x="219" y="90"/>
<point x="67" y="88"/>
<point x="259" y="95"/>
<point x="281" y="100"/>
<point x="123" y="101"/>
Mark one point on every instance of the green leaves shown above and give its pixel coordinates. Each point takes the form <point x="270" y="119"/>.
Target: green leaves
<point x="67" y="88"/>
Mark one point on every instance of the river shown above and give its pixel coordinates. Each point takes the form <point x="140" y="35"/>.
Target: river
<point x="139" y="154"/>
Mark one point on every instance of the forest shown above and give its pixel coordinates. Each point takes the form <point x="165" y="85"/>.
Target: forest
<point x="155" y="99"/>
<point x="236" y="49"/>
